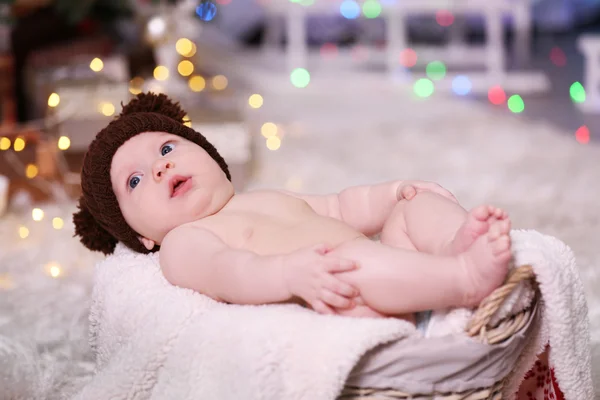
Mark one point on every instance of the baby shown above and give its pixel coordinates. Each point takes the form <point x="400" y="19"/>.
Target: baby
<point x="153" y="183"/>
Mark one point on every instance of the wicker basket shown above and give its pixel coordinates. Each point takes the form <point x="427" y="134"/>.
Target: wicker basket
<point x="478" y="328"/>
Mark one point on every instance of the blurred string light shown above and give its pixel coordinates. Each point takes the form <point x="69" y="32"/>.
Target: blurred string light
<point x="96" y="65"/>
<point x="423" y="87"/>
<point x="408" y="58"/>
<point x="577" y="92"/>
<point x="219" y="82"/>
<point x="300" y="77"/>
<point x="161" y="73"/>
<point x="136" y="85"/>
<point x="185" y="68"/>
<point x="53" y="100"/>
<point x="496" y="95"/>
<point x="582" y="134"/>
<point x="37" y="214"/>
<point x="436" y="70"/>
<point x="197" y="83"/>
<point x="558" y="57"/>
<point x="19" y="144"/>
<point x="255" y="101"/>
<point x="461" y="85"/>
<point x="350" y="9"/>
<point x="516" y="104"/>
<point x="185" y="47"/>
<point x="207" y="10"/>
<point x="5" y="143"/>
<point x="64" y="143"/>
<point x="371" y="9"/>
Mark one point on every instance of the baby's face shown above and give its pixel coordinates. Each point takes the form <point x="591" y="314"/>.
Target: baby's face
<point x="162" y="181"/>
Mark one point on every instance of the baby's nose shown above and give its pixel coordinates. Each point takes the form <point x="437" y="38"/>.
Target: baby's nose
<point x="160" y="167"/>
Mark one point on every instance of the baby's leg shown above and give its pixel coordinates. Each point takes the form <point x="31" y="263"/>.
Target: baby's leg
<point x="395" y="281"/>
<point x="436" y="225"/>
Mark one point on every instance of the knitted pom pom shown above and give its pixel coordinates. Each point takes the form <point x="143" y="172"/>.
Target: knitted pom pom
<point x="158" y="103"/>
<point x="90" y="233"/>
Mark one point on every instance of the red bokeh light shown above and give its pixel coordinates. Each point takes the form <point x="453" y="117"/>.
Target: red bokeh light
<point x="223" y="2"/>
<point x="496" y="95"/>
<point x="328" y="50"/>
<point x="582" y="135"/>
<point x="408" y="58"/>
<point x="444" y="17"/>
<point x="558" y="57"/>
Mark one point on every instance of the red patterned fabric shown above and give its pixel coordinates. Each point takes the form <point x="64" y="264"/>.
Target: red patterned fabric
<point x="540" y="383"/>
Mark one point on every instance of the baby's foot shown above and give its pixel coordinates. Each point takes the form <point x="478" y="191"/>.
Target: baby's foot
<point x="486" y="261"/>
<point x="477" y="223"/>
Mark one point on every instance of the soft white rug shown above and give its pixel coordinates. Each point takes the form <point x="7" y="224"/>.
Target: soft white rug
<point x="542" y="176"/>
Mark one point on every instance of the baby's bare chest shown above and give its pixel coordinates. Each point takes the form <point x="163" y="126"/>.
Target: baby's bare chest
<point x="273" y="225"/>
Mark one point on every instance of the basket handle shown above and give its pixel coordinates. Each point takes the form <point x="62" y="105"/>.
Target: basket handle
<point x="490" y="305"/>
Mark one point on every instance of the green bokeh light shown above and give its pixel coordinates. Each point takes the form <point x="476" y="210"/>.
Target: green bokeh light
<point x="423" y="87"/>
<point x="300" y="78"/>
<point x="436" y="70"/>
<point x="371" y="8"/>
<point x="516" y="104"/>
<point x="577" y="92"/>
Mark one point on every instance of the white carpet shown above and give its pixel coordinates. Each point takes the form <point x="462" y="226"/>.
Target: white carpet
<point x="543" y="177"/>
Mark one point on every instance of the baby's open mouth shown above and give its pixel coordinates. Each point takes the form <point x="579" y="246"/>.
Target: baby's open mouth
<point x="178" y="185"/>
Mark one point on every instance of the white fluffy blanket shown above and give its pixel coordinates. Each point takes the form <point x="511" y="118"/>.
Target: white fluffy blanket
<point x="155" y="341"/>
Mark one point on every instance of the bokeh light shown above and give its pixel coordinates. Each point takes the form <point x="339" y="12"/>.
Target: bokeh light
<point x="37" y="214"/>
<point x="408" y="58"/>
<point x="516" y="104"/>
<point x="350" y="9"/>
<point x="328" y="51"/>
<point x="53" y="100"/>
<point x="423" y="87"/>
<point x="461" y="85"/>
<point x="19" y="144"/>
<point x="136" y="85"/>
<point x="273" y="143"/>
<point x="206" y="11"/>
<point x="496" y="95"/>
<point x="268" y="129"/>
<point x="5" y="143"/>
<point x="57" y="223"/>
<point x="96" y="65"/>
<point x="436" y="70"/>
<point x="64" y="143"/>
<point x="185" y="68"/>
<point x="444" y="18"/>
<point x="31" y="171"/>
<point x="256" y="101"/>
<point x="23" y="232"/>
<point x="184" y="46"/>
<point x="300" y="77"/>
<point x="558" y="57"/>
<point x="220" y="82"/>
<point x="582" y="135"/>
<point x="197" y="83"/>
<point x="577" y="92"/>
<point x="161" y="73"/>
<point x="371" y="9"/>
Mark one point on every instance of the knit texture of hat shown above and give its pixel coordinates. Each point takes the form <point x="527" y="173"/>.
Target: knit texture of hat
<point x="99" y="222"/>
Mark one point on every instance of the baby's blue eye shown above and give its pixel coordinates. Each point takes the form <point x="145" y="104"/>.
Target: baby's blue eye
<point x="167" y="148"/>
<point x="133" y="181"/>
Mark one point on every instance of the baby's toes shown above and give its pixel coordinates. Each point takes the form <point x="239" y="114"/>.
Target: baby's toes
<point x="501" y="245"/>
<point x="481" y="213"/>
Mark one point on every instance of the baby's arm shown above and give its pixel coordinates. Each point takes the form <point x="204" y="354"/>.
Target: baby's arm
<point x="367" y="207"/>
<point x="196" y="259"/>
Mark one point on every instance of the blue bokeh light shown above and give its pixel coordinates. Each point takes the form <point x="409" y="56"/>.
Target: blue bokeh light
<point x="206" y="11"/>
<point x="461" y="85"/>
<point x="350" y="9"/>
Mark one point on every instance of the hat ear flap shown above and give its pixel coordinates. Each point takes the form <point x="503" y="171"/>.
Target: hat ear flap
<point x="90" y="233"/>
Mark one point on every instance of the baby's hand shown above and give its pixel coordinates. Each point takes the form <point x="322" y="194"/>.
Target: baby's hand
<point x="309" y="274"/>
<point x="409" y="189"/>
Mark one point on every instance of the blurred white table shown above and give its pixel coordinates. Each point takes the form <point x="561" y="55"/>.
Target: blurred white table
<point x="491" y="56"/>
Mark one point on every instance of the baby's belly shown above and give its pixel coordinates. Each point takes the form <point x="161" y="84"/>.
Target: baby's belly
<point x="281" y="239"/>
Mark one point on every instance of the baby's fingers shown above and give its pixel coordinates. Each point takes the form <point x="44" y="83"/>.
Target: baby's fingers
<point x="342" y="288"/>
<point x="336" y="265"/>
<point x="408" y="192"/>
<point x="322" y="308"/>
<point x="335" y="300"/>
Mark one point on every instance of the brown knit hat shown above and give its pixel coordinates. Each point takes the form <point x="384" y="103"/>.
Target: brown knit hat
<point x="99" y="221"/>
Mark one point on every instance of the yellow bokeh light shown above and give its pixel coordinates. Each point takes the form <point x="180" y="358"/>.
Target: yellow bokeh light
<point x="53" y="100"/>
<point x="31" y="171"/>
<point x="161" y="73"/>
<point x="197" y="83"/>
<point x="23" y="232"/>
<point x="136" y="85"/>
<point x="219" y="82"/>
<point x="57" y="223"/>
<point x="184" y="46"/>
<point x="53" y="269"/>
<point x="37" y="214"/>
<point x="268" y="129"/>
<point x="187" y="120"/>
<point x="4" y="143"/>
<point x="107" y="109"/>
<point x="185" y="68"/>
<point x="19" y="144"/>
<point x="96" y="65"/>
<point x="6" y="282"/>
<point x="64" y="142"/>
<point x="191" y="52"/>
<point x="273" y="143"/>
<point x="255" y="101"/>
